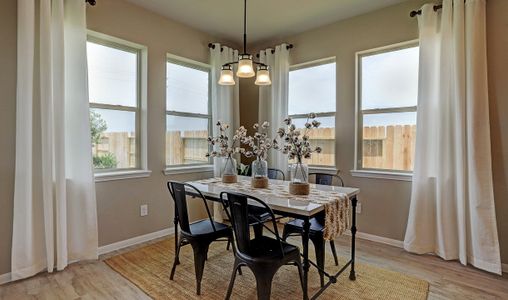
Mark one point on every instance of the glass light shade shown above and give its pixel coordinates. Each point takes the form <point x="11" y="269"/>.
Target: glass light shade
<point x="245" y="69"/>
<point x="263" y="77"/>
<point x="226" y="77"/>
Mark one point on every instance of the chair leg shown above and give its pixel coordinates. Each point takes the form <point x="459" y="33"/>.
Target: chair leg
<point x="264" y="283"/>
<point x="258" y="230"/>
<point x="285" y="233"/>
<point x="176" y="261"/>
<point x="334" y="252"/>
<point x="300" y="271"/>
<point x="236" y="268"/>
<point x="200" y="253"/>
<point x="319" y="247"/>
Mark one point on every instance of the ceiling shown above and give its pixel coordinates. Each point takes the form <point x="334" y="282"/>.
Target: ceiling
<point x="266" y="19"/>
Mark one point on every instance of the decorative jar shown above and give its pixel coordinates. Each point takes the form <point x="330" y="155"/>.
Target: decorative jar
<point x="299" y="184"/>
<point x="228" y="170"/>
<point x="259" y="169"/>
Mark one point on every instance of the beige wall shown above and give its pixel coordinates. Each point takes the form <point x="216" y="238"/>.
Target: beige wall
<point x="385" y="203"/>
<point x="117" y="201"/>
<point x="497" y="55"/>
<point x="7" y="127"/>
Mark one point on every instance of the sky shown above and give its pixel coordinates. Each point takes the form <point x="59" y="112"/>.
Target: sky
<point x="388" y="80"/>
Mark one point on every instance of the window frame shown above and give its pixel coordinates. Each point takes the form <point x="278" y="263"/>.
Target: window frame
<point x="126" y="46"/>
<point x="359" y="170"/>
<point x="189" y="63"/>
<point x="310" y="64"/>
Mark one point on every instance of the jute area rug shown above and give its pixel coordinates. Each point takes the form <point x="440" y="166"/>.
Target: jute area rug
<point x="149" y="268"/>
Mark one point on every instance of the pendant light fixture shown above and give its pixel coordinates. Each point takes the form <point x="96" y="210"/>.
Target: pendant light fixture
<point x="245" y="63"/>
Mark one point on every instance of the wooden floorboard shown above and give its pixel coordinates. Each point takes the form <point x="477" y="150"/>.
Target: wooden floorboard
<point x="95" y="280"/>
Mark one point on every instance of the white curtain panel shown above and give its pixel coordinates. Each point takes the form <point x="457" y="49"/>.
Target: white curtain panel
<point x="225" y="103"/>
<point x="452" y="212"/>
<point x="273" y="99"/>
<point x="55" y="215"/>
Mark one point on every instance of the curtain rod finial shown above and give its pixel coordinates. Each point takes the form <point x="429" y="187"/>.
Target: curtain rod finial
<point x="414" y="13"/>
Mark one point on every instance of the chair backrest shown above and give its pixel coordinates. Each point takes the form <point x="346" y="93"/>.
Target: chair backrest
<point x="327" y="179"/>
<point x="179" y="194"/>
<point x="274" y="174"/>
<point x="236" y="206"/>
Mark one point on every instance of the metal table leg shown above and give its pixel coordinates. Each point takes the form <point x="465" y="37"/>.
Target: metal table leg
<point x="352" y="274"/>
<point x="306" y="265"/>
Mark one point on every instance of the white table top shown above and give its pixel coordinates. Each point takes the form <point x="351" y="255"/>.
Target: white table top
<point x="294" y="206"/>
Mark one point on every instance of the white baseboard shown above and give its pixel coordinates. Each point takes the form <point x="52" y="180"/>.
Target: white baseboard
<point x="135" y="240"/>
<point x="397" y="243"/>
<point x="378" y="239"/>
<point x="5" y="278"/>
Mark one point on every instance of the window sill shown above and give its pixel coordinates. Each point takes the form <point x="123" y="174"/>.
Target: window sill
<point x="119" y="175"/>
<point x="382" y="175"/>
<point x="322" y="169"/>
<point x="188" y="169"/>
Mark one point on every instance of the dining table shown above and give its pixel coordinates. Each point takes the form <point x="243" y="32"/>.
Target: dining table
<point x="292" y="207"/>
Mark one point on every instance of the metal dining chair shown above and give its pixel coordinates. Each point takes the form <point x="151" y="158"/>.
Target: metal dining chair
<point x="199" y="234"/>
<point x="263" y="255"/>
<point x="275" y="173"/>
<point x="317" y="227"/>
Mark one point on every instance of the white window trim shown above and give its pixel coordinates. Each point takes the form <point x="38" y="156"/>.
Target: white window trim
<point x="358" y="171"/>
<point x="198" y="167"/>
<point x="121" y="174"/>
<point x="382" y="175"/>
<point x="188" y="169"/>
<point x="310" y="64"/>
<point x="142" y="126"/>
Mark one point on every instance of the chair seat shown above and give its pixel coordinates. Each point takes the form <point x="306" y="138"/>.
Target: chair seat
<point x="315" y="225"/>
<point x="268" y="248"/>
<point x="204" y="227"/>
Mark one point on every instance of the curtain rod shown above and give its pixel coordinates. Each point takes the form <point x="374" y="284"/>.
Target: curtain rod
<point x="414" y="13"/>
<point x="211" y="45"/>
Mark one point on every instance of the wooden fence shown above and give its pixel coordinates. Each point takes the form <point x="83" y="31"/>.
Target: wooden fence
<point x="121" y="144"/>
<point x="384" y="147"/>
<point x="389" y="147"/>
<point x="185" y="147"/>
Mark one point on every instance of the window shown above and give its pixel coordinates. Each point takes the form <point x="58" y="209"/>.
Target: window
<point x="387" y="97"/>
<point x="114" y="86"/>
<point x="188" y="114"/>
<point x="312" y="89"/>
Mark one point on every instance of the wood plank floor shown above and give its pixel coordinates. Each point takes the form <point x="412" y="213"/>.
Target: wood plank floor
<point x="95" y="280"/>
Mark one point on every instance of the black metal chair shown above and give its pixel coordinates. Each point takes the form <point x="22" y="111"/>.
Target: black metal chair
<point x="317" y="227"/>
<point x="263" y="255"/>
<point x="199" y="234"/>
<point x="274" y="174"/>
<point x="327" y="179"/>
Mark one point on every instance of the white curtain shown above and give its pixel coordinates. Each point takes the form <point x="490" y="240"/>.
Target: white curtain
<point x="273" y="99"/>
<point x="452" y="211"/>
<point x="225" y="102"/>
<point x="55" y="217"/>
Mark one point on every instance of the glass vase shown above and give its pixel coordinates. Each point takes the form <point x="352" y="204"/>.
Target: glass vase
<point x="259" y="169"/>
<point x="299" y="184"/>
<point x="228" y="169"/>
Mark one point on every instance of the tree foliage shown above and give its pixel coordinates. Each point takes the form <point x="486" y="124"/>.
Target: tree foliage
<point x="97" y="127"/>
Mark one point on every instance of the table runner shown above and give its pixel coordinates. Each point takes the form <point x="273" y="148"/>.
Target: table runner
<point x="337" y="217"/>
